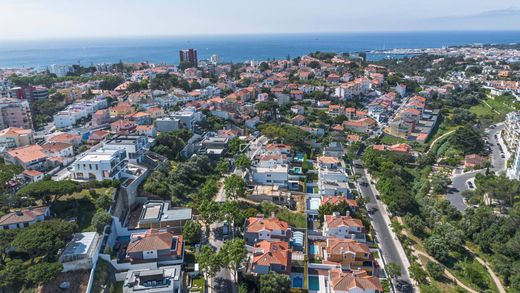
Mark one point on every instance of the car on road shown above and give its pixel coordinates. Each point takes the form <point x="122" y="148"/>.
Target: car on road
<point x="502" y="156"/>
<point x="470" y="185"/>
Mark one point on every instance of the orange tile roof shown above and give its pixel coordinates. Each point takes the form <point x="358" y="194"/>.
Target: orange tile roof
<point x="65" y="137"/>
<point x="346" y="281"/>
<point x="257" y="224"/>
<point x="28" y="153"/>
<point x="15" y="131"/>
<point x="153" y="239"/>
<point x="32" y="173"/>
<point x="266" y="253"/>
<point x="27" y="215"/>
<point x="55" y="146"/>
<point x="401" y="147"/>
<point x="337" y="246"/>
<point x="338" y="221"/>
<point x="328" y="160"/>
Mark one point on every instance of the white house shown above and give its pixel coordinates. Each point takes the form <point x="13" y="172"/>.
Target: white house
<point x="275" y="175"/>
<point x="100" y="164"/>
<point x="24" y="218"/>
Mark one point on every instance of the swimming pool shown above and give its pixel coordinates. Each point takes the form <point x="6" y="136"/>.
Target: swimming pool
<point x="314" y="283"/>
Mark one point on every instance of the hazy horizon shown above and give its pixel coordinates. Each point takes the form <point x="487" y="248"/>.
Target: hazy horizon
<point x="62" y="19"/>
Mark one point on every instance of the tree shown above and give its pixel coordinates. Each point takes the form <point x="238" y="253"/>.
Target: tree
<point x="233" y="253"/>
<point x="274" y="283"/>
<point x="436" y="247"/>
<point x="209" y="261"/>
<point x="43" y="238"/>
<point x="417" y="273"/>
<point x="235" y="187"/>
<point x="440" y="183"/>
<point x="43" y="272"/>
<point x="6" y="237"/>
<point x="234" y="145"/>
<point x="169" y="144"/>
<point x="222" y="166"/>
<point x="209" y="212"/>
<point x="435" y="270"/>
<point x="393" y="270"/>
<point x="13" y="275"/>
<point x="43" y="190"/>
<point x="468" y="140"/>
<point x="191" y="232"/>
<point x="103" y="202"/>
<point x="100" y="219"/>
<point x="242" y="162"/>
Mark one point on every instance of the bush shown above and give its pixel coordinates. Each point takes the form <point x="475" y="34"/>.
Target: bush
<point x="435" y="270"/>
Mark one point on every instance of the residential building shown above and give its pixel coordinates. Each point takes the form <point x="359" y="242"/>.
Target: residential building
<point x="166" y="124"/>
<point x="13" y="137"/>
<point x="156" y="245"/>
<point x="260" y="228"/>
<point x="24" y="218"/>
<point x="15" y="113"/>
<point x="273" y="175"/>
<point x="81" y="252"/>
<point x="58" y="149"/>
<point x="166" y="279"/>
<point x="134" y="146"/>
<point x="100" y="164"/>
<point x="123" y="126"/>
<point x="30" y="157"/>
<point x="189" y="117"/>
<point x="70" y="138"/>
<point x="33" y="175"/>
<point x="350" y="254"/>
<point x="334" y="149"/>
<point x="188" y="56"/>
<point x="271" y="256"/>
<point x="346" y="227"/>
<point x="159" y="214"/>
<point x="352" y="282"/>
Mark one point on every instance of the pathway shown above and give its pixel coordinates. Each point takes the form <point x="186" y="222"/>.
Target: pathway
<point x="495" y="278"/>
<point x="437" y="139"/>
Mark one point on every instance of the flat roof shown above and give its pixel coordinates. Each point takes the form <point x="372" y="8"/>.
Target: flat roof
<point x="80" y="243"/>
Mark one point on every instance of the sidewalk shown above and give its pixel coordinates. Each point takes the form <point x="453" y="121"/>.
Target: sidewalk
<point x="383" y="209"/>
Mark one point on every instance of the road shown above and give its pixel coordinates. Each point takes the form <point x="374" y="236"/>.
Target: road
<point x="460" y="180"/>
<point x="391" y="247"/>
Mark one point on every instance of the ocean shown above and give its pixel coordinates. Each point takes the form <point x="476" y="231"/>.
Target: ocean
<point x="229" y="48"/>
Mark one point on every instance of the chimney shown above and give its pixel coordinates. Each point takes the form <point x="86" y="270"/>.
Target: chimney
<point x="336" y="214"/>
<point x="347" y="213"/>
<point x="273" y="215"/>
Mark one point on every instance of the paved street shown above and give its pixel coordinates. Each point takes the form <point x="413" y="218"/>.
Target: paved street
<point x="223" y="280"/>
<point x="460" y="181"/>
<point x="391" y="252"/>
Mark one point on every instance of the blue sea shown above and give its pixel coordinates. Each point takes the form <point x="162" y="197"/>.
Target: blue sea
<point x="229" y="48"/>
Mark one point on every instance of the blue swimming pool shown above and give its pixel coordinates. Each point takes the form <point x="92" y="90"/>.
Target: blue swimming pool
<point x="314" y="283"/>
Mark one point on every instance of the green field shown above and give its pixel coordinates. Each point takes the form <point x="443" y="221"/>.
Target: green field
<point x="496" y="108"/>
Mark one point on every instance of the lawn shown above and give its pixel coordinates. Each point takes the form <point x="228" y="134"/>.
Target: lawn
<point x="294" y="219"/>
<point x="496" y="107"/>
<point x="197" y="283"/>
<point x="471" y="272"/>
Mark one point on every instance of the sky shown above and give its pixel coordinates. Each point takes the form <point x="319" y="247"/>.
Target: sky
<point x="36" y="19"/>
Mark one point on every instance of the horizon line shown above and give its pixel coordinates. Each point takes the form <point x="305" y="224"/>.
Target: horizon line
<point x="25" y="39"/>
